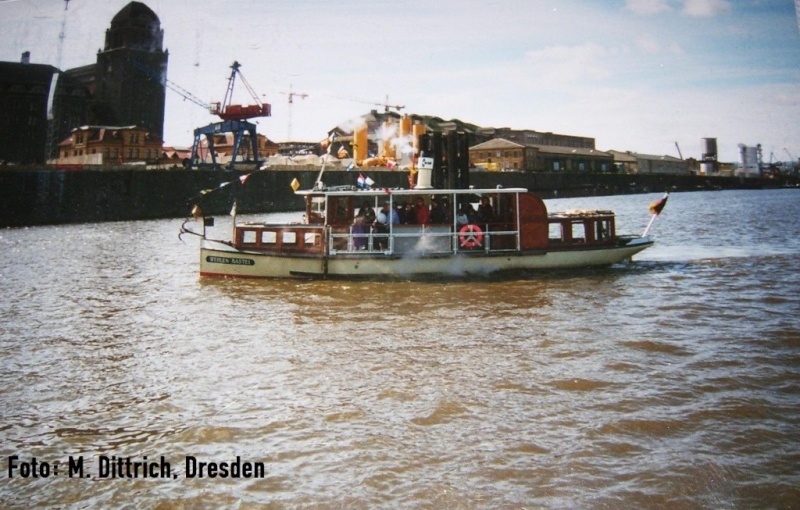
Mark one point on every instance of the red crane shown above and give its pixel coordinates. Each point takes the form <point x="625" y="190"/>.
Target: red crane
<point x="227" y="111"/>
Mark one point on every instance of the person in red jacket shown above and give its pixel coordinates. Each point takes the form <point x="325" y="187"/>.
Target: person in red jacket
<point x="422" y="212"/>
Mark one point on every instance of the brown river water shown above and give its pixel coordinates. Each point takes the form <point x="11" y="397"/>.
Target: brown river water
<point x="671" y="382"/>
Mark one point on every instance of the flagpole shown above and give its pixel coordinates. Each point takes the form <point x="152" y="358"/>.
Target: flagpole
<point x="656" y="208"/>
<point x="647" y="229"/>
<point x="331" y="139"/>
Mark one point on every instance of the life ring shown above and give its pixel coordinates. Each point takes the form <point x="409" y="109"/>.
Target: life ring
<point x="470" y="236"/>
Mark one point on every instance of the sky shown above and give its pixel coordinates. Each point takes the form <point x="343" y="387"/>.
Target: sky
<point x="647" y="76"/>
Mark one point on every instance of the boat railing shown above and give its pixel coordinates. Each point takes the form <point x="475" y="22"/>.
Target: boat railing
<point x="425" y="239"/>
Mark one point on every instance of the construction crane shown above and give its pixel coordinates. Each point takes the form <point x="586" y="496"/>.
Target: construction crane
<point x="62" y="35"/>
<point x="228" y="111"/>
<point x="386" y="105"/>
<point x="679" y="150"/>
<point x="52" y="126"/>
<point x="291" y="95"/>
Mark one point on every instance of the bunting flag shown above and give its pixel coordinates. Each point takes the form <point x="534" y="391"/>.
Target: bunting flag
<point x="391" y="164"/>
<point x="658" y="206"/>
<point x="360" y="182"/>
<point x="369" y="182"/>
<point x="242" y="179"/>
<point x="295" y="184"/>
<point x="350" y="166"/>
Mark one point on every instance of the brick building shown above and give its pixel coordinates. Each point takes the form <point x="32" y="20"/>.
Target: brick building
<point x="103" y="145"/>
<point x="500" y="154"/>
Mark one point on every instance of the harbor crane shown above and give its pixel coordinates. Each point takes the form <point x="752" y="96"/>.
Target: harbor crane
<point x="234" y="120"/>
<point x="228" y="111"/>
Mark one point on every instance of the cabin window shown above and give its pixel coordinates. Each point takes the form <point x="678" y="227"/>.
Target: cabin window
<point x="289" y="237"/>
<point x="578" y="232"/>
<point x="269" y="237"/>
<point x="556" y="232"/>
<point x="249" y="237"/>
<point x="603" y="230"/>
<point x="311" y="239"/>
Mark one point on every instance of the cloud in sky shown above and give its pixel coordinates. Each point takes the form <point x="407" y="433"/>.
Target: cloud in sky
<point x="637" y="75"/>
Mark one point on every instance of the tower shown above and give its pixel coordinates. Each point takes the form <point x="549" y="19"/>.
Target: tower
<point x="131" y="71"/>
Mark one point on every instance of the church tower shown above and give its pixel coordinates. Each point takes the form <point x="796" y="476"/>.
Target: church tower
<point x="131" y="72"/>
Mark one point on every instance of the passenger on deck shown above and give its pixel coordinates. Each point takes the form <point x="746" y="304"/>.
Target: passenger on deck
<point x="485" y="211"/>
<point x="366" y="213"/>
<point x="386" y="217"/>
<point x="408" y="216"/>
<point x="362" y="225"/>
<point x="422" y="212"/>
<point x="463" y="216"/>
<point x="438" y="214"/>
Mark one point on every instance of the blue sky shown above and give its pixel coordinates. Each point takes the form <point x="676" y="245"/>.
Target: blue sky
<point x="636" y="75"/>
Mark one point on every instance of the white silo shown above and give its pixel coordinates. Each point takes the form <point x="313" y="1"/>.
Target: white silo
<point x="750" y="160"/>
<point x="708" y="161"/>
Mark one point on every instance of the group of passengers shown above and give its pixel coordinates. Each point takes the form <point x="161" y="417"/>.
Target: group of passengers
<point x="439" y="212"/>
<point x="407" y="213"/>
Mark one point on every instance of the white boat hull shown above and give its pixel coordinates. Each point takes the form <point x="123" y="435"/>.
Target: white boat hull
<point x="220" y="259"/>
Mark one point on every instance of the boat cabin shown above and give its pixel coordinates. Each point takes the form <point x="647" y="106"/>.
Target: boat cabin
<point x="352" y="223"/>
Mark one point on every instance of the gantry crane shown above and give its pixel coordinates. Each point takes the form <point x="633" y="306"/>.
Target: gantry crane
<point x="234" y="118"/>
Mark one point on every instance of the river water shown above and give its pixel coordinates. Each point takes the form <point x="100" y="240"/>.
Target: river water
<point x="672" y="382"/>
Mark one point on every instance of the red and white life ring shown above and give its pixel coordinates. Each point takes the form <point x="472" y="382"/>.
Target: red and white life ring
<point x="470" y="236"/>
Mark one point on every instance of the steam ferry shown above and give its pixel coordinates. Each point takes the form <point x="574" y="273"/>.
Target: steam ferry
<point x="348" y="232"/>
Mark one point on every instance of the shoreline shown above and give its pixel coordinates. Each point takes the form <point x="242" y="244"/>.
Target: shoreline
<point x="46" y="196"/>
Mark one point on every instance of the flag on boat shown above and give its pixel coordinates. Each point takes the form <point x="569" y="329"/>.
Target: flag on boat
<point x="361" y="180"/>
<point x="369" y="182"/>
<point x="243" y="178"/>
<point x="657" y="206"/>
<point x="295" y="184"/>
<point x="350" y="166"/>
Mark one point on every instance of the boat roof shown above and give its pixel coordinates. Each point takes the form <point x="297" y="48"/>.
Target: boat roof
<point x="372" y="192"/>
